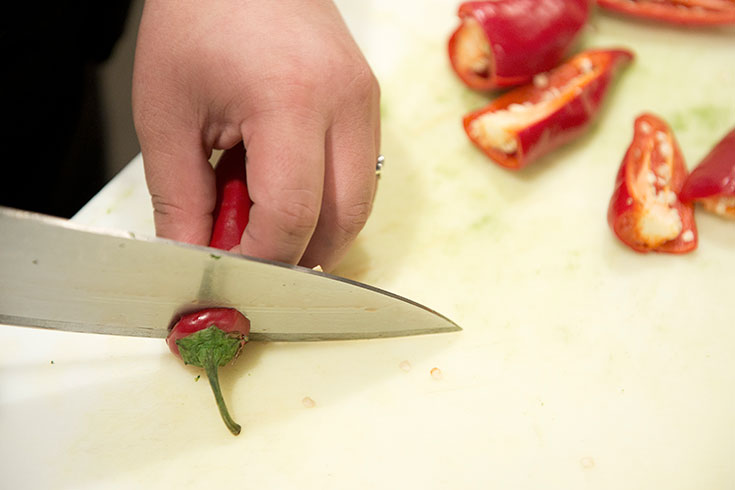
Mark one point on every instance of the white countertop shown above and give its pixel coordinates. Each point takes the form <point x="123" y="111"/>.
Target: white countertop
<point x="582" y="365"/>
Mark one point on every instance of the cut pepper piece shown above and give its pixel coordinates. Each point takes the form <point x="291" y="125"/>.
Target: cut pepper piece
<point x="685" y="12"/>
<point x="505" y="43"/>
<point x="712" y="182"/>
<point x="645" y="212"/>
<point x="557" y="107"/>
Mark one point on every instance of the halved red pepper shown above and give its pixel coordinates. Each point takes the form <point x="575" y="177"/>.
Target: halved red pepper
<point x="505" y="43"/>
<point x="557" y="107"/>
<point x="712" y="182"/>
<point x="686" y="12"/>
<point x="213" y="337"/>
<point x="645" y="211"/>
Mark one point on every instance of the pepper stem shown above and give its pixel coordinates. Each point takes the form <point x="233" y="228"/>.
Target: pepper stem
<point x="211" y="348"/>
<point x="211" y="368"/>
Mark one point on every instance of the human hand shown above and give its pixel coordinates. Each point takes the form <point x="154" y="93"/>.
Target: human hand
<point x="286" y="79"/>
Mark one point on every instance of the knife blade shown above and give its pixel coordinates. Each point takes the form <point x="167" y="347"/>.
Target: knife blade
<point x="57" y="274"/>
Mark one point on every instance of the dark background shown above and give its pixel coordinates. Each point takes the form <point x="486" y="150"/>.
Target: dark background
<point x="67" y="69"/>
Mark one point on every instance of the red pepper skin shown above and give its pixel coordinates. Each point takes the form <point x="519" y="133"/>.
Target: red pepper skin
<point x="559" y="111"/>
<point x="226" y="319"/>
<point x="232" y="208"/>
<point x="712" y="182"/>
<point x="715" y="174"/>
<point x="683" y="12"/>
<point x="652" y="153"/>
<point x="525" y="37"/>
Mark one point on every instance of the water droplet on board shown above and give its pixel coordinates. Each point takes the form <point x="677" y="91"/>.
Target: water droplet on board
<point x="308" y="402"/>
<point x="405" y="366"/>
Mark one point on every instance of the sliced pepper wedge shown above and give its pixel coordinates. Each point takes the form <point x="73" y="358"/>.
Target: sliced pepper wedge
<point x="645" y="212"/>
<point x="557" y="107"/>
<point x="712" y="182"/>
<point x="504" y="43"/>
<point x="685" y="12"/>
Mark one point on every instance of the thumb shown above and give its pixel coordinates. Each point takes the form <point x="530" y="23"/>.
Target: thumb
<point x="182" y="186"/>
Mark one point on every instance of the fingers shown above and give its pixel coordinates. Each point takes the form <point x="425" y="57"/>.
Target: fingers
<point x="181" y="183"/>
<point x="285" y="176"/>
<point x="352" y="148"/>
<point x="179" y="176"/>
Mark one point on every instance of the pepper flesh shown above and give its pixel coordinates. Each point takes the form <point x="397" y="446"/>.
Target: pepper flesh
<point x="684" y="12"/>
<point x="556" y="108"/>
<point x="645" y="212"/>
<point x="505" y="43"/>
<point x="712" y="182"/>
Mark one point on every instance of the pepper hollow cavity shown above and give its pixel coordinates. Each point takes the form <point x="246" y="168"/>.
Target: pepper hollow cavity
<point x="645" y="212"/>
<point x="530" y="121"/>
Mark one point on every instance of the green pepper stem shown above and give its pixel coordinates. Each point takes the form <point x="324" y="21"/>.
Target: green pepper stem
<point x="211" y="368"/>
<point x="211" y="348"/>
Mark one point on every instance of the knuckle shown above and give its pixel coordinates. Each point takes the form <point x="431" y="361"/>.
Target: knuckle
<point x="177" y="222"/>
<point x="164" y="209"/>
<point x="363" y="80"/>
<point x="358" y="83"/>
<point x="297" y="213"/>
<point x="353" y="220"/>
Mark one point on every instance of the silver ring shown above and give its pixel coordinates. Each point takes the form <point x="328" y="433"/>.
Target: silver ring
<point x="379" y="166"/>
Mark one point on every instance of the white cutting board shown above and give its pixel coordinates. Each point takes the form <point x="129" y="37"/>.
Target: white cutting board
<point x="582" y="365"/>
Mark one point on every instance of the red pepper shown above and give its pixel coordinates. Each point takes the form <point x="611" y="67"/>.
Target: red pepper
<point x="530" y="121"/>
<point x="505" y="43"/>
<point x="645" y="212"/>
<point x="232" y="209"/>
<point x="712" y="182"/>
<point x="213" y="337"/>
<point x="686" y="12"/>
<point x="209" y="339"/>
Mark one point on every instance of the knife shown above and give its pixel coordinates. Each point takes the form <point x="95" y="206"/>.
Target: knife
<point x="57" y="274"/>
